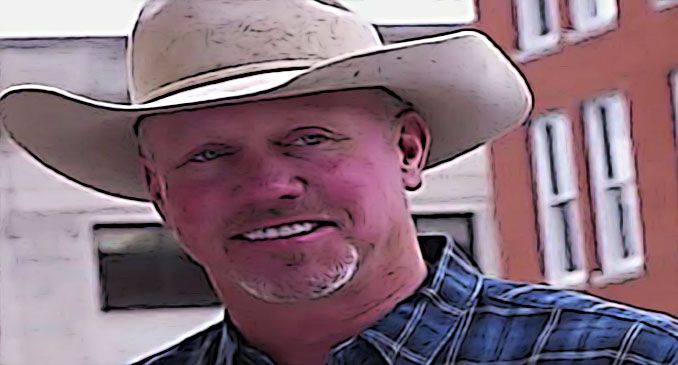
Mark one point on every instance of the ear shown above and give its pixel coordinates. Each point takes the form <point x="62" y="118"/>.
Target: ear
<point x="154" y="187"/>
<point x="414" y="143"/>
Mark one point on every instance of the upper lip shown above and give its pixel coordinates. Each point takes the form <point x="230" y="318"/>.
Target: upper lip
<point x="282" y="221"/>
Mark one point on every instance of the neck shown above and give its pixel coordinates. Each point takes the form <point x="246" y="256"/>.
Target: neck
<point x="305" y="333"/>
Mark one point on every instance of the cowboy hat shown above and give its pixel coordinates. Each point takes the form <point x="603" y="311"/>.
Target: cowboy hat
<point x="202" y="53"/>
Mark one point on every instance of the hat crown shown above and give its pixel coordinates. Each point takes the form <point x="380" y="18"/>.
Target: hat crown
<point x="177" y="44"/>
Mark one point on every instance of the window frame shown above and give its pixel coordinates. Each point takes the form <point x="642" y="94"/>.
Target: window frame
<point x="484" y="233"/>
<point x="89" y="223"/>
<point x="527" y="21"/>
<point x="586" y="25"/>
<point x="470" y="218"/>
<point x="606" y="162"/>
<point x="554" y="190"/>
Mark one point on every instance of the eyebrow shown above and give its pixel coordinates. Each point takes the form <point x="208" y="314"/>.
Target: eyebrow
<point x="311" y="127"/>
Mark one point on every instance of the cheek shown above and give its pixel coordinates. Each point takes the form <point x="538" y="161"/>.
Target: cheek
<point x="196" y="218"/>
<point x="365" y="186"/>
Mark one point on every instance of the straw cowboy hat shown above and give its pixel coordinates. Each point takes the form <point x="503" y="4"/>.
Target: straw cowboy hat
<point x="199" y="53"/>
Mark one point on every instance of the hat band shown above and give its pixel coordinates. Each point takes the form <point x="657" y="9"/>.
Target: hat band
<point x="233" y="79"/>
<point x="247" y="85"/>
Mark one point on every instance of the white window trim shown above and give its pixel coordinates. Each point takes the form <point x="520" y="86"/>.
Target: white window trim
<point x="614" y="268"/>
<point x="555" y="255"/>
<point x="586" y="26"/>
<point x="404" y="12"/>
<point x="530" y="43"/>
<point x="660" y="5"/>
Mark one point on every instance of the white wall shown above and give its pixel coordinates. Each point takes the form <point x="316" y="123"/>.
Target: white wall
<point x="35" y="18"/>
<point x="49" y="285"/>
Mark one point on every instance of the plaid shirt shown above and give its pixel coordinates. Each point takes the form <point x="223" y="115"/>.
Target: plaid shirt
<point x="460" y="317"/>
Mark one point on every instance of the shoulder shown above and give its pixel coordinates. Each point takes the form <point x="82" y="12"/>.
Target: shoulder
<point x="193" y="349"/>
<point x="569" y="321"/>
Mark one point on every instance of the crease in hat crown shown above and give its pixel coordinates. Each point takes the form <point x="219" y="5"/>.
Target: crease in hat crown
<point x="179" y="44"/>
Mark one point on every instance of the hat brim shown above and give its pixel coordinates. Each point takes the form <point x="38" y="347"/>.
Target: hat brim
<point x="468" y="91"/>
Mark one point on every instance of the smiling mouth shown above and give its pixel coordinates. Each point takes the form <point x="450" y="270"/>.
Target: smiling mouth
<point x="283" y="231"/>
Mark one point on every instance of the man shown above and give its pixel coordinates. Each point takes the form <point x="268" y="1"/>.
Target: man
<point x="277" y="138"/>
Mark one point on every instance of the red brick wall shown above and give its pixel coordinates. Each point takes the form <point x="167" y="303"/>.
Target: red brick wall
<point x="635" y="58"/>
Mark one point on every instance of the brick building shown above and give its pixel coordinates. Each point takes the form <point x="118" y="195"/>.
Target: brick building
<point x="586" y="195"/>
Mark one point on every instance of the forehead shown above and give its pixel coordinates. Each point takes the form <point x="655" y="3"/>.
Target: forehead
<point x="373" y="104"/>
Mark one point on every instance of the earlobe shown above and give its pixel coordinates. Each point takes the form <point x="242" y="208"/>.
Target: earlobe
<point x="414" y="144"/>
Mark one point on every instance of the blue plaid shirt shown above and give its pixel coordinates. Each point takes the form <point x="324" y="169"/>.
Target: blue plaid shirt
<point x="460" y="317"/>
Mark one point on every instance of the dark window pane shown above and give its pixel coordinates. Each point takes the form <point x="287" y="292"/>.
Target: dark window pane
<point x="593" y="8"/>
<point x="553" y="168"/>
<point x="544" y="27"/>
<point x="620" y="213"/>
<point x="458" y="226"/>
<point x="604" y="120"/>
<point x="142" y="266"/>
<point x="571" y="262"/>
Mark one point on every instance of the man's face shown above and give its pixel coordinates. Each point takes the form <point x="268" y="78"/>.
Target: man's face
<point x="289" y="199"/>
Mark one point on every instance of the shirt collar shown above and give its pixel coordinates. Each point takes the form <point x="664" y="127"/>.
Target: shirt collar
<point x="422" y="321"/>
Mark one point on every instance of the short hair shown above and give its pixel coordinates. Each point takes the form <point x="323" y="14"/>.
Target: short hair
<point x="393" y="106"/>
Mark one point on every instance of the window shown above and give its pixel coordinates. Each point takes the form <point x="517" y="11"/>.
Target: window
<point x="613" y="186"/>
<point x="142" y="266"/>
<point x="457" y="226"/>
<point x="557" y="197"/>
<point x="538" y="25"/>
<point x="409" y="12"/>
<point x="592" y="15"/>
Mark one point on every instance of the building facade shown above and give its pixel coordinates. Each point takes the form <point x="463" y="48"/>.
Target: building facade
<point x="586" y="194"/>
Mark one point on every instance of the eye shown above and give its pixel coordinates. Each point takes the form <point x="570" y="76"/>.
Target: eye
<point x="310" y="140"/>
<point x="207" y="155"/>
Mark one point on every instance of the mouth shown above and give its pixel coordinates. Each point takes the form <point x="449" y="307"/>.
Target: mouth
<point x="283" y="231"/>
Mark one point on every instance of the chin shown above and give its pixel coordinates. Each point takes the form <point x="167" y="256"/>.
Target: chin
<point x="302" y="284"/>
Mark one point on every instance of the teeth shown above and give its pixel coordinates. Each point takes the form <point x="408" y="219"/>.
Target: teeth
<point x="281" y="231"/>
<point x="286" y="230"/>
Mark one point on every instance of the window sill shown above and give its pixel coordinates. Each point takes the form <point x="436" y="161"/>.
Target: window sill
<point x="573" y="280"/>
<point x="629" y="269"/>
<point x="578" y="36"/>
<point x="524" y="56"/>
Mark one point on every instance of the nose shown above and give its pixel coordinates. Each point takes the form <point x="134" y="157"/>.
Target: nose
<point x="270" y="178"/>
